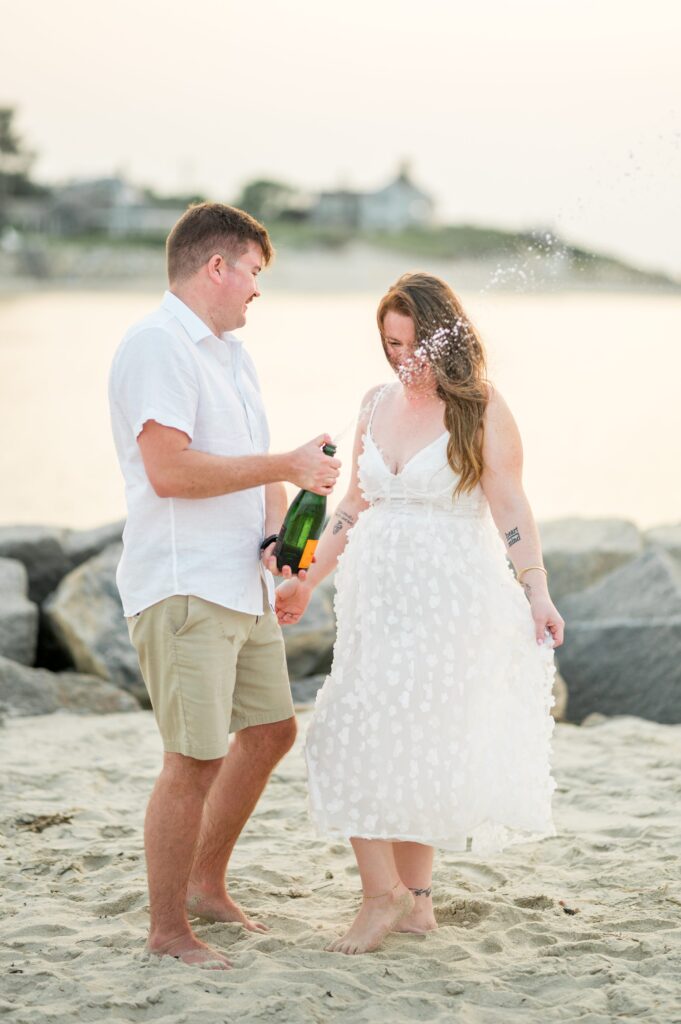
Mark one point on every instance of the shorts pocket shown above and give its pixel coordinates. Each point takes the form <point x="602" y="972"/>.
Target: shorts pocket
<point x="179" y="617"/>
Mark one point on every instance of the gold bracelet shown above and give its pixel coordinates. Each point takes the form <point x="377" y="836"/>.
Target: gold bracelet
<point x="528" y="568"/>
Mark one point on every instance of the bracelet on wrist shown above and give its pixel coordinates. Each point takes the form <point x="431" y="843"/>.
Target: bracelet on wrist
<point x="529" y="568"/>
<point x="268" y="540"/>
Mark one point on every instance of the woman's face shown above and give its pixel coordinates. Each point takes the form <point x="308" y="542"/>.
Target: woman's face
<point x="399" y="338"/>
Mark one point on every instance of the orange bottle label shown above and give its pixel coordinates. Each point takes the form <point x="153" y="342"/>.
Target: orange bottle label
<point x="306" y="557"/>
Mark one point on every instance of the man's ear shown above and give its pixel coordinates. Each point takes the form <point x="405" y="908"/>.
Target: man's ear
<point x="216" y="267"/>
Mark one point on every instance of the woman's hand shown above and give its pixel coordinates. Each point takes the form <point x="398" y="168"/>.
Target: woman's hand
<point x="546" y="617"/>
<point x="291" y="599"/>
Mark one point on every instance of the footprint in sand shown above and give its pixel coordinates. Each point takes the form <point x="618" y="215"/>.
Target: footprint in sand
<point x="534" y="902"/>
<point x="95" y="861"/>
<point x="479" y="874"/>
<point x="462" y="913"/>
<point x="133" y="899"/>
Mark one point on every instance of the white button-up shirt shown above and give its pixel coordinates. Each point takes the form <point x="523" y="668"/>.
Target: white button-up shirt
<point x="171" y="368"/>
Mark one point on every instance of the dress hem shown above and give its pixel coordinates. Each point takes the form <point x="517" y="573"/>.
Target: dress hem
<point x="515" y="837"/>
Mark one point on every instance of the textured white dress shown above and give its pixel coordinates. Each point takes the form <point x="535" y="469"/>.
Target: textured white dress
<point x="434" y="724"/>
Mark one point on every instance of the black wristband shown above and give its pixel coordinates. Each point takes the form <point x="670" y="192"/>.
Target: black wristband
<point x="268" y="540"/>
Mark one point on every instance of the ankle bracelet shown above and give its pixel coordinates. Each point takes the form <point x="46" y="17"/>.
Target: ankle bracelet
<point x="421" y="892"/>
<point x="378" y="895"/>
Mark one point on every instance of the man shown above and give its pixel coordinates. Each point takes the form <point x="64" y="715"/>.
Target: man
<point x="202" y="493"/>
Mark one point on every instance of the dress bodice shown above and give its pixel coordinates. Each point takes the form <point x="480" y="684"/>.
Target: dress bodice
<point x="425" y="479"/>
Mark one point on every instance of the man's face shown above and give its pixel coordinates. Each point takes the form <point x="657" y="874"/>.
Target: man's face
<point x="239" y="286"/>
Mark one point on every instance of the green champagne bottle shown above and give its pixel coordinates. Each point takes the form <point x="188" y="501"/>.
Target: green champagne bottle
<point x="302" y="527"/>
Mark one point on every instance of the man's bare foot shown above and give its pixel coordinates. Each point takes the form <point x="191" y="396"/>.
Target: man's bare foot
<point x="220" y="907"/>
<point x="190" y="950"/>
<point x="375" y="919"/>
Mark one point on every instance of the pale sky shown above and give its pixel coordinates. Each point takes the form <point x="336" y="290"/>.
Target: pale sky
<point x="555" y="113"/>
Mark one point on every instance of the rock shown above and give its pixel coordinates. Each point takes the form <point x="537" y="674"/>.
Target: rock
<point x="622" y="650"/>
<point x="81" y="545"/>
<point x="667" y="537"/>
<point x="579" y="552"/>
<point x="40" y="550"/>
<point x="309" y="644"/>
<point x="595" y="718"/>
<point x="49" y="553"/>
<point x="560" y="696"/>
<point x="18" y="615"/>
<point x="305" y="690"/>
<point x="86" y="614"/>
<point x="90" y="695"/>
<point x="35" y="691"/>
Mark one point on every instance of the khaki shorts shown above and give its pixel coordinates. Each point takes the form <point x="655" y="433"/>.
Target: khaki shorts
<point x="210" y="671"/>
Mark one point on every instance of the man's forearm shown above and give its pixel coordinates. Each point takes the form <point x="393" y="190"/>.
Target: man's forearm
<point x="194" y="474"/>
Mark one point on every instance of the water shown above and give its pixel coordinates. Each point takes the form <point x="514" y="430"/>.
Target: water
<point x="592" y="379"/>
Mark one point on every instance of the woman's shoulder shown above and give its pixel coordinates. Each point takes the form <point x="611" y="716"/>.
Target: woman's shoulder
<point x="497" y="406"/>
<point x="369" y="400"/>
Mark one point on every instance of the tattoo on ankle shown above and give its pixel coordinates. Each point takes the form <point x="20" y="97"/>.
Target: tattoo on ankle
<point x="512" y="537"/>
<point x="421" y="892"/>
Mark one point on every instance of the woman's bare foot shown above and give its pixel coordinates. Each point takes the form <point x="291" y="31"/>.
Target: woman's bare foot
<point x="420" y="920"/>
<point x="190" y="950"/>
<point x="375" y="919"/>
<point x="220" y="907"/>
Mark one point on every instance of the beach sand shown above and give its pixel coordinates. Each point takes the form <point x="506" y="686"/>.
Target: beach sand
<point x="74" y="896"/>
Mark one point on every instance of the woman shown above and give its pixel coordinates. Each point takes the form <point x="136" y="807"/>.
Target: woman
<point x="434" y="725"/>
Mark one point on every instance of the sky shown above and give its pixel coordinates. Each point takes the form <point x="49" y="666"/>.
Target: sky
<point x="558" y="114"/>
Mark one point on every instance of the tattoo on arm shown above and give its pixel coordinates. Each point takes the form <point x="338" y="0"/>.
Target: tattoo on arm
<point x="528" y="590"/>
<point x="512" y="537"/>
<point x="342" y="519"/>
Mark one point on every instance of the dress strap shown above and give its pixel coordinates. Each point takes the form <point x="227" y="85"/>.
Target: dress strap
<point x="377" y="398"/>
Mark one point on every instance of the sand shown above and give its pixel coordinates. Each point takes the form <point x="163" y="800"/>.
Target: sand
<point x="74" y="896"/>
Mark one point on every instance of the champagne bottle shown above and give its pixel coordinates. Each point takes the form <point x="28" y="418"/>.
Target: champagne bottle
<point x="302" y="527"/>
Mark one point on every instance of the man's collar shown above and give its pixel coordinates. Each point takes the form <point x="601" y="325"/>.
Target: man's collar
<point x="192" y="323"/>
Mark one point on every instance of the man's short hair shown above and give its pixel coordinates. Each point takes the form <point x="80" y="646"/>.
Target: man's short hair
<point x="209" y="228"/>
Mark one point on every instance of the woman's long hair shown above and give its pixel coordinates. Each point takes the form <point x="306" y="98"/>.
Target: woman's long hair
<point x="447" y="341"/>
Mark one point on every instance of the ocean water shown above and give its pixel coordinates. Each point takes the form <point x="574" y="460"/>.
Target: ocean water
<point x="593" y="379"/>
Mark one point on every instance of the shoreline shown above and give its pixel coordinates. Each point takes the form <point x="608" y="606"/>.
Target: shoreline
<point x="356" y="268"/>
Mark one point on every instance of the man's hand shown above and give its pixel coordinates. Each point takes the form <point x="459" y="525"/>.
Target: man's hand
<point x="311" y="469"/>
<point x="291" y="599"/>
<point x="270" y="562"/>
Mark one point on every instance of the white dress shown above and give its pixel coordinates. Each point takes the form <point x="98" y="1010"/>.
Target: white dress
<point x="434" y="724"/>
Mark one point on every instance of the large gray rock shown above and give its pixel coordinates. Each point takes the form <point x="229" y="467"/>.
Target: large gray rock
<point x="49" y="553"/>
<point x="579" y="552"/>
<point x="667" y="537"/>
<point x="40" y="550"/>
<point x="309" y="644"/>
<point x="81" y="545"/>
<point x="560" y="699"/>
<point x="18" y="615"/>
<point x="35" y="691"/>
<point x="622" y="650"/>
<point x="304" y="691"/>
<point x="85" y="613"/>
